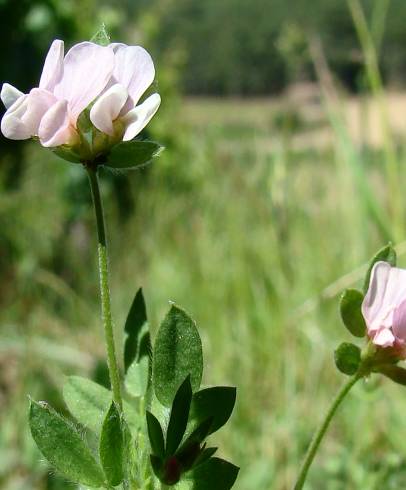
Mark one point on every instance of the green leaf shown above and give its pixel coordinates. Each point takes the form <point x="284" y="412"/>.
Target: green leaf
<point x="177" y="353"/>
<point x="179" y="417"/>
<point x="214" y="474"/>
<point x="217" y="402"/>
<point x="385" y="254"/>
<point x="87" y="401"/>
<point x="200" y="433"/>
<point x="63" y="446"/>
<point x="155" y="434"/>
<point x="205" y="454"/>
<point x="137" y="343"/>
<point x="347" y="358"/>
<point x="395" y="373"/>
<point x="111" y="446"/>
<point x="132" y="154"/>
<point x="101" y="37"/>
<point x="156" y="464"/>
<point x="136" y="380"/>
<point x="350" y="310"/>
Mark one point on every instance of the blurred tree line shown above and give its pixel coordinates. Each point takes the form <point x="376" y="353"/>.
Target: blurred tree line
<point x="231" y="47"/>
<point x="239" y="47"/>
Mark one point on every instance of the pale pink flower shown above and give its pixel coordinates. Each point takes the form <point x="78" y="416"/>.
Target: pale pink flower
<point x="384" y="306"/>
<point x="67" y="86"/>
<point x="133" y="73"/>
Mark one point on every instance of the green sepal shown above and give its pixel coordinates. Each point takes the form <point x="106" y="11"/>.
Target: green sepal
<point x="132" y="154"/>
<point x="395" y="373"/>
<point x="66" y="153"/>
<point x="347" y="358"/>
<point x="179" y="417"/>
<point x="101" y="37"/>
<point x="217" y="402"/>
<point x="111" y="447"/>
<point x="385" y="254"/>
<point x="63" y="446"/>
<point x="137" y="377"/>
<point x="350" y="311"/>
<point x="85" y="125"/>
<point x="215" y="473"/>
<point x="155" y="434"/>
<point x="177" y="353"/>
<point x="137" y="343"/>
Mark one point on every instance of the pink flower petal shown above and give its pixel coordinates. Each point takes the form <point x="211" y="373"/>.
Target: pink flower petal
<point x="107" y="108"/>
<point x="384" y="338"/>
<point x="399" y="322"/>
<point x="23" y="118"/>
<point x="134" y="69"/>
<point x="39" y="101"/>
<point x="53" y="66"/>
<point x="9" y="95"/>
<point x="56" y="128"/>
<point x="387" y="289"/>
<point x="116" y="46"/>
<point x="12" y="125"/>
<point x="87" y="69"/>
<point x="139" y="117"/>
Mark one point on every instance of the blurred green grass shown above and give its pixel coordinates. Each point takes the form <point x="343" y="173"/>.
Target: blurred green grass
<point x="249" y="229"/>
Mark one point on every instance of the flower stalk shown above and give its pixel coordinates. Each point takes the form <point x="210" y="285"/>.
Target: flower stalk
<point x="104" y="287"/>
<point x="319" y="434"/>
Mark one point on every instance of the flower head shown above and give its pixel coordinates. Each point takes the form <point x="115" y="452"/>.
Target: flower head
<point x="384" y="307"/>
<point x="109" y="79"/>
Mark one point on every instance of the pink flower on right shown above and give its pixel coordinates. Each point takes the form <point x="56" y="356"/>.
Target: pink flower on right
<point x="384" y="307"/>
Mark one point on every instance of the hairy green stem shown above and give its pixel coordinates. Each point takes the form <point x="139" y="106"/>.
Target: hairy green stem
<point x="104" y="288"/>
<point x="319" y="434"/>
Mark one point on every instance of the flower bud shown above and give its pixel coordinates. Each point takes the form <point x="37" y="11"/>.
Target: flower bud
<point x="171" y="471"/>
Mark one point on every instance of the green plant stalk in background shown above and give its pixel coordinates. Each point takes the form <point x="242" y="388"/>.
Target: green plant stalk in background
<point x="370" y="51"/>
<point x="319" y="434"/>
<point x="104" y="288"/>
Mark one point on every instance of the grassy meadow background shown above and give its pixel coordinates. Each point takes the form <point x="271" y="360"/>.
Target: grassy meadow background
<point x="284" y="171"/>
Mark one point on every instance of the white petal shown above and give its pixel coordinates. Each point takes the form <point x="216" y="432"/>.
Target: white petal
<point x="134" y="69"/>
<point x="107" y="108"/>
<point x="87" y="69"/>
<point x="56" y="128"/>
<point x="12" y="125"/>
<point x="136" y="120"/>
<point x="384" y="338"/>
<point x="53" y="66"/>
<point x="9" y="94"/>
